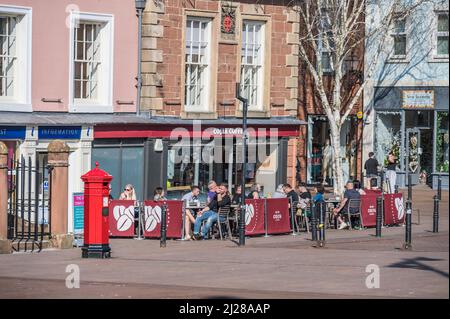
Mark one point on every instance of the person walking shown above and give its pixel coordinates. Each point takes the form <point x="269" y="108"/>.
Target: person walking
<point x="371" y="167"/>
<point x="391" y="174"/>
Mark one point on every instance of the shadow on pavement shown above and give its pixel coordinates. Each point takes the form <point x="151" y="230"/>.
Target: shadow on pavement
<point x="417" y="263"/>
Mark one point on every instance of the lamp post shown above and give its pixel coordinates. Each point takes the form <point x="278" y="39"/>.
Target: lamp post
<point x="140" y="6"/>
<point x="244" y="163"/>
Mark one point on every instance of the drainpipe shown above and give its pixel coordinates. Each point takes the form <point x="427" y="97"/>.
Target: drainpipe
<point x="140" y="6"/>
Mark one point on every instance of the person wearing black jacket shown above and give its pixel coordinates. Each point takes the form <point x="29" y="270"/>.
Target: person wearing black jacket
<point x="210" y="212"/>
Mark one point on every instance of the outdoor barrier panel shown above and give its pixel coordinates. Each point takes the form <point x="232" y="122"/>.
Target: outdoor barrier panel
<point x="394" y="212"/>
<point x="152" y="218"/>
<point x="254" y="217"/>
<point x="121" y="218"/>
<point x="369" y="209"/>
<point x="278" y="216"/>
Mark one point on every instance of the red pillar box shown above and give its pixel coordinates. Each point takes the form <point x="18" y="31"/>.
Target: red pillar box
<point x="96" y="211"/>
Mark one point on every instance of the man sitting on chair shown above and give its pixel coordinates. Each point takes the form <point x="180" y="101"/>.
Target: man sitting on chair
<point x="210" y="212"/>
<point x="350" y="193"/>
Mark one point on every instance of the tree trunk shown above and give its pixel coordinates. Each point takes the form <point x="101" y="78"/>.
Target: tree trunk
<point x="335" y="137"/>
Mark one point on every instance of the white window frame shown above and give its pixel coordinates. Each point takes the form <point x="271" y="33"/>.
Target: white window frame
<point x="259" y="105"/>
<point x="205" y="97"/>
<point x="21" y="100"/>
<point x="104" y="102"/>
<point x="395" y="34"/>
<point x="439" y="33"/>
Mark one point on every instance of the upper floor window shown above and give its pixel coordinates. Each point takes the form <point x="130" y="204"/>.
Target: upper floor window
<point x="91" y="66"/>
<point x="15" y="59"/>
<point x="252" y="63"/>
<point x="8" y="58"/>
<point x="87" y="61"/>
<point x="197" y="64"/>
<point x="442" y="35"/>
<point x="399" y="38"/>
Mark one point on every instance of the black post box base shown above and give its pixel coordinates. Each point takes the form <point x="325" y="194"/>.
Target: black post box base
<point x="96" y="251"/>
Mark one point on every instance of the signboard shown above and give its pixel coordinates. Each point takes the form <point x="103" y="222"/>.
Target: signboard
<point x="12" y="132"/>
<point x="254" y="217"/>
<point x="278" y="216"/>
<point x="418" y="99"/>
<point x="369" y="209"/>
<point x="78" y="213"/>
<point x="59" y="132"/>
<point x="394" y="211"/>
<point x="78" y="218"/>
<point x="121" y="218"/>
<point x="152" y="218"/>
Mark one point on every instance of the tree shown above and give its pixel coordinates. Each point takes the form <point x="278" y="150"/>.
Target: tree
<point x="331" y="31"/>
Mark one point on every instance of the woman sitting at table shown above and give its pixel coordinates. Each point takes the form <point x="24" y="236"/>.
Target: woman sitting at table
<point x="190" y="213"/>
<point x="159" y="194"/>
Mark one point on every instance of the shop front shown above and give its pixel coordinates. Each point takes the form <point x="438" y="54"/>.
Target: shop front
<point x="412" y="122"/>
<point x="178" y="155"/>
<point x="319" y="150"/>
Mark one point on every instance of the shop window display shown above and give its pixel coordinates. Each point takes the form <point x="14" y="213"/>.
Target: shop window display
<point x="442" y="138"/>
<point x="388" y="135"/>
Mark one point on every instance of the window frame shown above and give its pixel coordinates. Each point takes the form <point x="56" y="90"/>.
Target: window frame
<point x="20" y="101"/>
<point x="394" y="34"/>
<point x="259" y="106"/>
<point x="104" y="101"/>
<point x="204" y="107"/>
<point x="438" y="34"/>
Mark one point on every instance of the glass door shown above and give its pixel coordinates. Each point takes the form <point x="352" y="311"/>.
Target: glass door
<point x="413" y="153"/>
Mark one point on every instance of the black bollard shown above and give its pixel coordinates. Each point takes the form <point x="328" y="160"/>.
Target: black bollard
<point x="162" y="242"/>
<point x="321" y="241"/>
<point x="379" y="217"/>
<point x="439" y="187"/>
<point x="436" y="214"/>
<point x="409" y="188"/>
<point x="314" y="221"/>
<point x="407" y="245"/>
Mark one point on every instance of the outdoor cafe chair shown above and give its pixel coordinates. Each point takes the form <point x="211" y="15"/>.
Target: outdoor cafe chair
<point x="352" y="205"/>
<point x="224" y="219"/>
<point x="303" y="217"/>
<point x="293" y="215"/>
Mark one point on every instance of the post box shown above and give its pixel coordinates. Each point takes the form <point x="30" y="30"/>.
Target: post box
<point x="96" y="211"/>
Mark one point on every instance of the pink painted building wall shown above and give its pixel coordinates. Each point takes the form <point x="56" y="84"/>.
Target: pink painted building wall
<point x="51" y="45"/>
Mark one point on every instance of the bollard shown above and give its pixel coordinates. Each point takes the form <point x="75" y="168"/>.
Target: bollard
<point x="242" y="223"/>
<point x="314" y="221"/>
<point x="379" y="217"/>
<point x="321" y="241"/>
<point x="162" y="243"/>
<point x="407" y="245"/>
<point x="409" y="188"/>
<point x="436" y="214"/>
<point x="439" y="190"/>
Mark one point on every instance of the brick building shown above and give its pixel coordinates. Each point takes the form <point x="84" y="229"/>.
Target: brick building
<point x="194" y="53"/>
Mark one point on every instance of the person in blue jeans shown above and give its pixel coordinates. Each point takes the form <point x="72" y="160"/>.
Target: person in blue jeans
<point x="209" y="213"/>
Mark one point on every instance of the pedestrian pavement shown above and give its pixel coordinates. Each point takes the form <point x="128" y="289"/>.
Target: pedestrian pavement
<point x="282" y="266"/>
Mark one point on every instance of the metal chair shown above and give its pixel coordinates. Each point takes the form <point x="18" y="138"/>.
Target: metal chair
<point x="293" y="213"/>
<point x="223" y="218"/>
<point x="303" y="219"/>
<point x="353" y="205"/>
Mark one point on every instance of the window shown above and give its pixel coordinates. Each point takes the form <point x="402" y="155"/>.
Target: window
<point x="197" y="60"/>
<point x="442" y="158"/>
<point x="8" y="57"/>
<point x="252" y="63"/>
<point x="87" y="61"/>
<point x="91" y="66"/>
<point x="399" y="38"/>
<point x="442" y="35"/>
<point x="15" y="59"/>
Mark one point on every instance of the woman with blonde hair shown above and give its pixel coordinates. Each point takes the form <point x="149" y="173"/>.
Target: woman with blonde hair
<point x="128" y="193"/>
